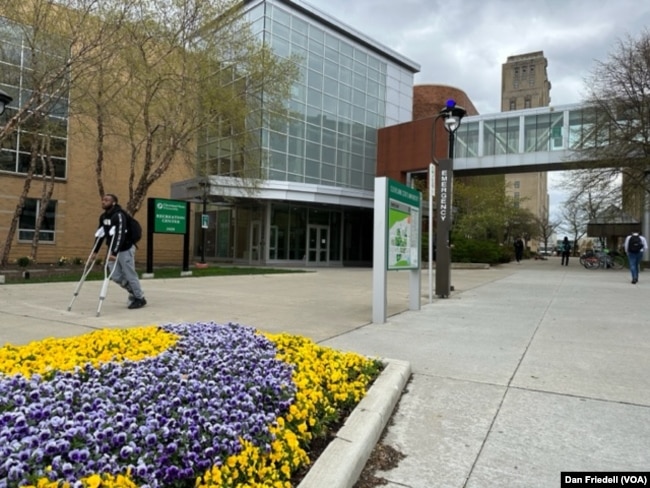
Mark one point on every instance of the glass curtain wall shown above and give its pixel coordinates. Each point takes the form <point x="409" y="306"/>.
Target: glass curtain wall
<point x="336" y="106"/>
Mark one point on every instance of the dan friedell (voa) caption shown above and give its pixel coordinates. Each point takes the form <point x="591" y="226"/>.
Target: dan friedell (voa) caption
<point x="604" y="478"/>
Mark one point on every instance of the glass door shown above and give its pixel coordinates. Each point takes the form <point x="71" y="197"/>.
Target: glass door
<point x="318" y="245"/>
<point x="256" y="240"/>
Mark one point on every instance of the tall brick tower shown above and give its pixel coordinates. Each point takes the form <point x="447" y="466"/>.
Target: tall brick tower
<point x="525" y="84"/>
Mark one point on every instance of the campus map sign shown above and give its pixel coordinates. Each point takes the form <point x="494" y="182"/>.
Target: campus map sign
<point x="403" y="227"/>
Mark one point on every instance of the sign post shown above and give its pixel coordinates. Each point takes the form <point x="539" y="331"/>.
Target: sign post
<point x="166" y="216"/>
<point x="432" y="192"/>
<point x="397" y="241"/>
<point x="443" y="228"/>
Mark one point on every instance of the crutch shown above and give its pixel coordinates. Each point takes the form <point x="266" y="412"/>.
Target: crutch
<point x="90" y="262"/>
<point x="107" y="274"/>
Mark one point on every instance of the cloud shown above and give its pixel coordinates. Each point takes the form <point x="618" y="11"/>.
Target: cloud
<point x="465" y="42"/>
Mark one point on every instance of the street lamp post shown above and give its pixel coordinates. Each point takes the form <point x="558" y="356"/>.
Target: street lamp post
<point x="452" y="115"/>
<point x="205" y="190"/>
<point x="5" y="100"/>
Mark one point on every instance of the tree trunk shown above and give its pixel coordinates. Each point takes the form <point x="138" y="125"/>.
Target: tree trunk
<point x="4" y="260"/>
<point x="46" y="194"/>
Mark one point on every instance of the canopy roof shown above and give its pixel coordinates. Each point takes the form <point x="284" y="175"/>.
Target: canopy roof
<point x="613" y="222"/>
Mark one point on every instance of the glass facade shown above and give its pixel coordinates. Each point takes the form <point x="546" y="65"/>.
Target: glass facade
<point x="344" y="93"/>
<point x="20" y="76"/>
<point x="324" y="146"/>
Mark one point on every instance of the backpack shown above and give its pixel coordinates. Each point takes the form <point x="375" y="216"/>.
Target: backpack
<point x="133" y="229"/>
<point x="634" y="244"/>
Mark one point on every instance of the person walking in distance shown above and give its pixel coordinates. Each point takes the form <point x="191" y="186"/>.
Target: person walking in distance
<point x="634" y="246"/>
<point x="566" y="251"/>
<point x="519" y="249"/>
<point x="121" y="254"/>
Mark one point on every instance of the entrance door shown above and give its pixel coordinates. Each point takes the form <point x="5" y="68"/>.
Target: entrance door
<point x="318" y="245"/>
<point x="256" y="240"/>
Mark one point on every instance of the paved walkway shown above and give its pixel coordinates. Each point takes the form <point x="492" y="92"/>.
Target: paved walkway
<point x="525" y="371"/>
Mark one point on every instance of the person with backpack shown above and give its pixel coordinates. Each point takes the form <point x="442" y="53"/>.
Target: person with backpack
<point x="566" y="251"/>
<point x="121" y="243"/>
<point x="519" y="249"/>
<point x="634" y="246"/>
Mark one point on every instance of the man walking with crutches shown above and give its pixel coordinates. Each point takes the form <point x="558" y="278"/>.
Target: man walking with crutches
<point x="120" y="259"/>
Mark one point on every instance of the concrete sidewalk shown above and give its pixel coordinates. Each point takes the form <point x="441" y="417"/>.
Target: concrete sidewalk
<point x="518" y="379"/>
<point x="525" y="371"/>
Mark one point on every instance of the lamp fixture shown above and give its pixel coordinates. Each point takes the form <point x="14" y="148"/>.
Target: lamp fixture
<point x="453" y="114"/>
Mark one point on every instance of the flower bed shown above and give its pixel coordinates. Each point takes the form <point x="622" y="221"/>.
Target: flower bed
<point x="182" y="405"/>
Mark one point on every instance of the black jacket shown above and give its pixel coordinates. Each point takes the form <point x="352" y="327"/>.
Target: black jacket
<point x="120" y="240"/>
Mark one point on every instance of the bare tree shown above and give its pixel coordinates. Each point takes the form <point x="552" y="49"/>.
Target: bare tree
<point x="589" y="193"/>
<point x="545" y="228"/>
<point x="615" y="132"/>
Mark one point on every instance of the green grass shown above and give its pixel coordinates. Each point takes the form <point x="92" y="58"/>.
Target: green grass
<point x="56" y="275"/>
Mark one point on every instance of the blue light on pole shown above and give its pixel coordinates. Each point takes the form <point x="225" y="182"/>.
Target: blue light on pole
<point x="452" y="114"/>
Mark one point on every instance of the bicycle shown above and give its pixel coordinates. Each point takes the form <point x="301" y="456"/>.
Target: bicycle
<point x="602" y="260"/>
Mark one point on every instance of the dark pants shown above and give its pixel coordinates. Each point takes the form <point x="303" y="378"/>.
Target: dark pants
<point x="565" y="258"/>
<point x="634" y="259"/>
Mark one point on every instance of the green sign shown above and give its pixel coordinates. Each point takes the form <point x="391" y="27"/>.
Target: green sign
<point x="403" y="226"/>
<point x="170" y="216"/>
<point x="205" y="221"/>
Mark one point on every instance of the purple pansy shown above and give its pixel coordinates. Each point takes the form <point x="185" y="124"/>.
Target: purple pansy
<point x="169" y="417"/>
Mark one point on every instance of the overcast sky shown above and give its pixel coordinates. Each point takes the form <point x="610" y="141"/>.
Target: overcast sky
<point x="463" y="43"/>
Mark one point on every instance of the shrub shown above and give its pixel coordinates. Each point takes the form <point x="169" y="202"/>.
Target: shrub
<point x="479" y="251"/>
<point x="24" y="261"/>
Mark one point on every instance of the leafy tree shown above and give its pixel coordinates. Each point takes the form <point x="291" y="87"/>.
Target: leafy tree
<point x="57" y="42"/>
<point x="154" y="78"/>
<point x="186" y="72"/>
<point x="485" y="212"/>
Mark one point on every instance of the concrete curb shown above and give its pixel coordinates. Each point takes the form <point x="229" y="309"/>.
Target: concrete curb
<point x="340" y="465"/>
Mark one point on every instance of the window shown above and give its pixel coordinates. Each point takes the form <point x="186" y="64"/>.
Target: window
<point x="527" y="102"/>
<point x="53" y="123"/>
<point x="27" y="222"/>
<point x="517" y="184"/>
<point x="531" y="77"/>
<point x="513" y="104"/>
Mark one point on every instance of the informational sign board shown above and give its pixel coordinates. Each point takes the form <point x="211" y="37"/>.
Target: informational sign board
<point x="170" y="216"/>
<point x="403" y="231"/>
<point x="396" y="242"/>
<point x="166" y="216"/>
